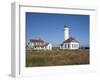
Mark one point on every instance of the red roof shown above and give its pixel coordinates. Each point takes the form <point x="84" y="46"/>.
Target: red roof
<point x="71" y="39"/>
<point x="43" y="43"/>
<point x="36" y="40"/>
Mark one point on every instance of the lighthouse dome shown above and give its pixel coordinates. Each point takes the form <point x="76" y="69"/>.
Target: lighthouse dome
<point x="65" y="26"/>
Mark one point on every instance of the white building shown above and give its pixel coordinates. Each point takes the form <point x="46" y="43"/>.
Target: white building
<point x="69" y="42"/>
<point x="37" y="44"/>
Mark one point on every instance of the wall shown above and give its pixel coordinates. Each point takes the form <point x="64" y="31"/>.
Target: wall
<point x="5" y="39"/>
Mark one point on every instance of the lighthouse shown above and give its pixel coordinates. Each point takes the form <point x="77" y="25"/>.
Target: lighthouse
<point x="69" y="42"/>
<point x="66" y="32"/>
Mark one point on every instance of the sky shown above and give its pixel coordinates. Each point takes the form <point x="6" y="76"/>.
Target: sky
<point x="50" y="27"/>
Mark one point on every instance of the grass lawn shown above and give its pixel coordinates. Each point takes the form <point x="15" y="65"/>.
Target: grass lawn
<point x="57" y="57"/>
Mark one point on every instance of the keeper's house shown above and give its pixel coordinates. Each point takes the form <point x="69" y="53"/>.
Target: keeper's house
<point x="38" y="44"/>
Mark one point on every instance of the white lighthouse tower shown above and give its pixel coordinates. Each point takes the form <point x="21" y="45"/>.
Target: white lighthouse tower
<point x="69" y="42"/>
<point x="66" y="32"/>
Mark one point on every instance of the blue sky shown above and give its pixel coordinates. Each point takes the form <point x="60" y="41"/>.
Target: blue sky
<point x="49" y="27"/>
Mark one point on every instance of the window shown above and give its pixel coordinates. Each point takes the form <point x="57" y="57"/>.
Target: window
<point x="65" y="45"/>
<point x="68" y="45"/>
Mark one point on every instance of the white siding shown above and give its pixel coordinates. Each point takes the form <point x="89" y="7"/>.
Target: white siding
<point x="72" y="45"/>
<point x="31" y="46"/>
<point x="49" y="47"/>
